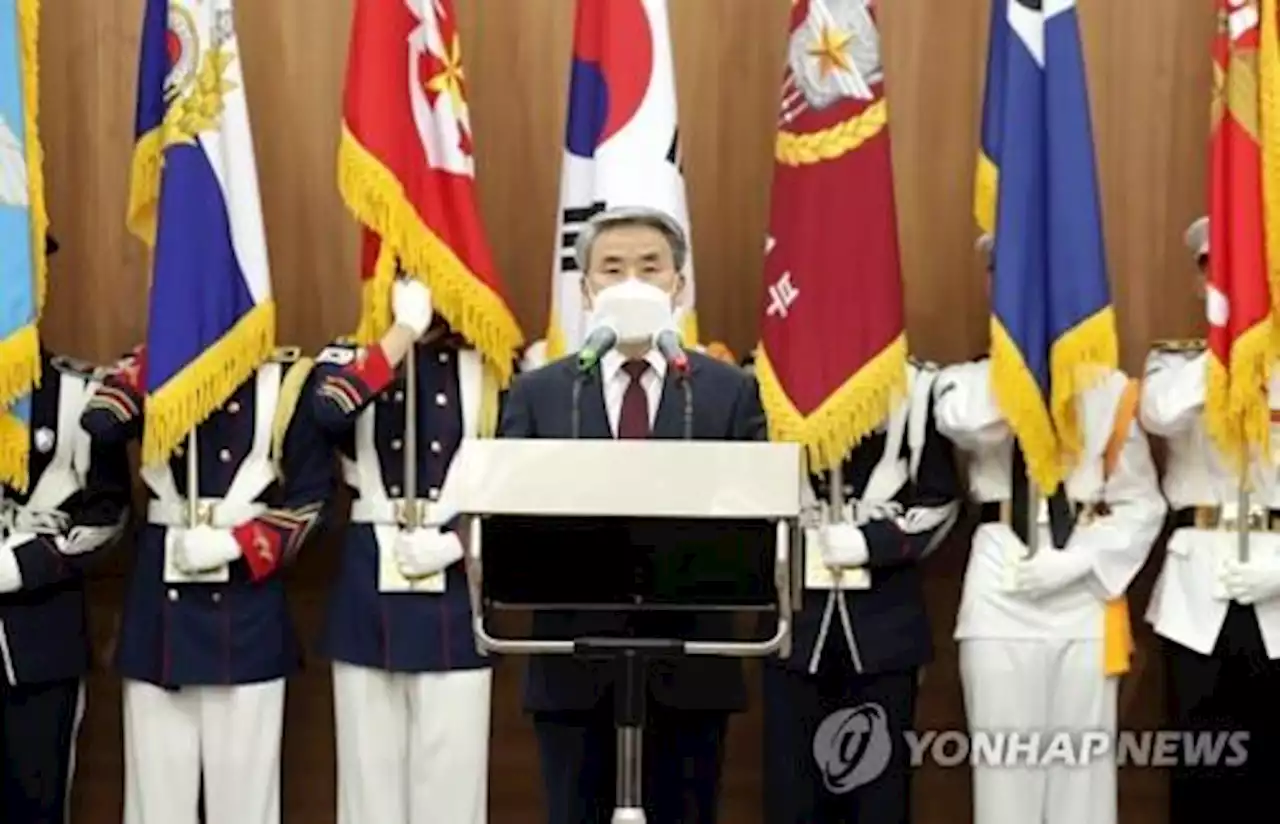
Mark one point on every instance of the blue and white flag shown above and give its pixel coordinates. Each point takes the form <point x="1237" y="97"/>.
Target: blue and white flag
<point x="23" y="222"/>
<point x="194" y="200"/>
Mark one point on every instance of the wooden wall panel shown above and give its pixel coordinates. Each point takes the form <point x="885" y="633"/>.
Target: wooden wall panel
<point x="1149" y="71"/>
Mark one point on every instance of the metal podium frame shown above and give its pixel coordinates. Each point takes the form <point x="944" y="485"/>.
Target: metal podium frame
<point x="632" y="654"/>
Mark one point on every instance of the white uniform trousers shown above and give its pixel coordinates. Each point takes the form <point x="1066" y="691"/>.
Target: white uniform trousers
<point x="413" y="748"/>
<point x="230" y="735"/>
<point x="1047" y="686"/>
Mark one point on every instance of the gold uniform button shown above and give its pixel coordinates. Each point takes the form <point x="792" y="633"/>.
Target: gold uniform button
<point x="433" y="493"/>
<point x="444" y="357"/>
<point x="173" y="595"/>
<point x="435" y="447"/>
<point x="395" y="491"/>
<point x="398" y="397"/>
<point x="225" y="456"/>
<point x="217" y="597"/>
<point x="441" y="400"/>
<point x="233" y="407"/>
<point x="397" y="444"/>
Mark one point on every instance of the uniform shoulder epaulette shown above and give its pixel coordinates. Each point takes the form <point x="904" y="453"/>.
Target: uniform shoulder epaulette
<point x="75" y="366"/>
<point x="286" y="354"/>
<point x="1186" y="345"/>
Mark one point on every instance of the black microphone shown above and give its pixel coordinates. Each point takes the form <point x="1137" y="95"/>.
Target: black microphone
<point x="667" y="342"/>
<point x="603" y="338"/>
<point x="668" y="345"/>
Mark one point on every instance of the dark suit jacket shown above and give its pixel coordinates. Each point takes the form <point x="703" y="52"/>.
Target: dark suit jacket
<point x="726" y="406"/>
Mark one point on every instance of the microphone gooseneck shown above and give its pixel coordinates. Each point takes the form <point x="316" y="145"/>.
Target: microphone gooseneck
<point x="575" y="413"/>
<point x="603" y="338"/>
<point x="686" y="387"/>
<point x="667" y="342"/>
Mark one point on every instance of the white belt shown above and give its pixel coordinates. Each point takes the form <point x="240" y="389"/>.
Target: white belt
<point x="14" y="518"/>
<point x="214" y="512"/>
<point x="391" y="512"/>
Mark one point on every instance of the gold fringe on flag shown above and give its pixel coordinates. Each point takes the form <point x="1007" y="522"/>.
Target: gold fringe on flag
<point x="20" y="352"/>
<point x="1237" y="414"/>
<point x="377" y="199"/>
<point x="144" y="186"/>
<point x="986" y="189"/>
<point x="1269" y="117"/>
<point x="191" y="396"/>
<point x="1049" y="435"/>
<point x="848" y="415"/>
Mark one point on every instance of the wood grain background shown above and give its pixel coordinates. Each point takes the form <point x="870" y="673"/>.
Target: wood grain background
<point x="1150" y="81"/>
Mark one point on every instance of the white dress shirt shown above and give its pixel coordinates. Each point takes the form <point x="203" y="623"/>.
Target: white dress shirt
<point x="1118" y="542"/>
<point x="616" y="380"/>
<point x="1187" y="606"/>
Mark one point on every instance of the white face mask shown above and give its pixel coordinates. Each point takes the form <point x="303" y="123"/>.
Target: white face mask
<point x="637" y="310"/>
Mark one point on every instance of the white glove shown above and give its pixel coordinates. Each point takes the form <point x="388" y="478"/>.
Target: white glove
<point x="203" y="548"/>
<point x="411" y="304"/>
<point x="1049" y="571"/>
<point x="426" y="551"/>
<point x="1253" y="581"/>
<point x="10" y="572"/>
<point x="843" y="546"/>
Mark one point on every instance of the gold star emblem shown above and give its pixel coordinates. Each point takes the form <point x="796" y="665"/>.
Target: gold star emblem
<point x="831" y="50"/>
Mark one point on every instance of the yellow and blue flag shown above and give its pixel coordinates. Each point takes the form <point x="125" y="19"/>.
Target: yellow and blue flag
<point x="1053" y="329"/>
<point x="194" y="200"/>
<point x="23" y="221"/>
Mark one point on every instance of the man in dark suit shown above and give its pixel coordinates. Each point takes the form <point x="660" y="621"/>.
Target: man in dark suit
<point x="633" y="259"/>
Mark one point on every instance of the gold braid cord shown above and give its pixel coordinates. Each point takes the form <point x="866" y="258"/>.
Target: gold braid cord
<point x="806" y="149"/>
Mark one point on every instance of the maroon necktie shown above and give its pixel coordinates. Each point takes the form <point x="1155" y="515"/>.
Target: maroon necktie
<point x="633" y="422"/>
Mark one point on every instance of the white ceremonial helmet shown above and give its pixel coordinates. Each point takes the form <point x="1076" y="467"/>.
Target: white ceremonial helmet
<point x="1197" y="239"/>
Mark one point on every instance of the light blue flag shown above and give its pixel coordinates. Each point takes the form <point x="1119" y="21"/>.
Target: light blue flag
<point x="22" y="221"/>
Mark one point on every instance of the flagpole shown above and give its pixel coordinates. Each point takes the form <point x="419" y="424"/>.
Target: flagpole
<point x="1242" y="517"/>
<point x="1033" y="518"/>
<point x="412" y="519"/>
<point x="193" y="481"/>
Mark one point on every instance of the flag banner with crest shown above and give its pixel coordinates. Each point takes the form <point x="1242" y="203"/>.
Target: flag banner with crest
<point x="406" y="170"/>
<point x="23" y="223"/>
<point x="621" y="146"/>
<point x="833" y="349"/>
<point x="194" y="201"/>
<point x="1244" y="219"/>
<point x="1053" y="330"/>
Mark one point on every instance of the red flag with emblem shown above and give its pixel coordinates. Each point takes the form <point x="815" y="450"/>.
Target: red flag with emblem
<point x="833" y="351"/>
<point x="406" y="170"/>
<point x="1239" y="299"/>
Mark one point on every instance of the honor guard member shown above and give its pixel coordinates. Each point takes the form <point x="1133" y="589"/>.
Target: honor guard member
<point x="411" y="692"/>
<point x="75" y="505"/>
<point x="206" y="640"/>
<point x="859" y="644"/>
<point x="1043" y="639"/>
<point x="1219" y="618"/>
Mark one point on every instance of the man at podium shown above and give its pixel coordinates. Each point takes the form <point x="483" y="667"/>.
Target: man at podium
<point x="627" y="379"/>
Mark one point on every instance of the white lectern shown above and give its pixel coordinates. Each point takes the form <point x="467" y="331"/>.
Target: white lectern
<point x="630" y="527"/>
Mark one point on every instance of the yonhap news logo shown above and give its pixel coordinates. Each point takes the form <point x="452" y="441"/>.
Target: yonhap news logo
<point x="1127" y="748"/>
<point x="852" y="747"/>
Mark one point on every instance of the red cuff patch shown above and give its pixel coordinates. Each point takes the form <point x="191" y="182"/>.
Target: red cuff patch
<point x="373" y="369"/>
<point x="260" y="547"/>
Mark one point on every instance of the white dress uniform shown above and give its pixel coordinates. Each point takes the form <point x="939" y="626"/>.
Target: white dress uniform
<point x="1222" y="647"/>
<point x="1038" y="661"/>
